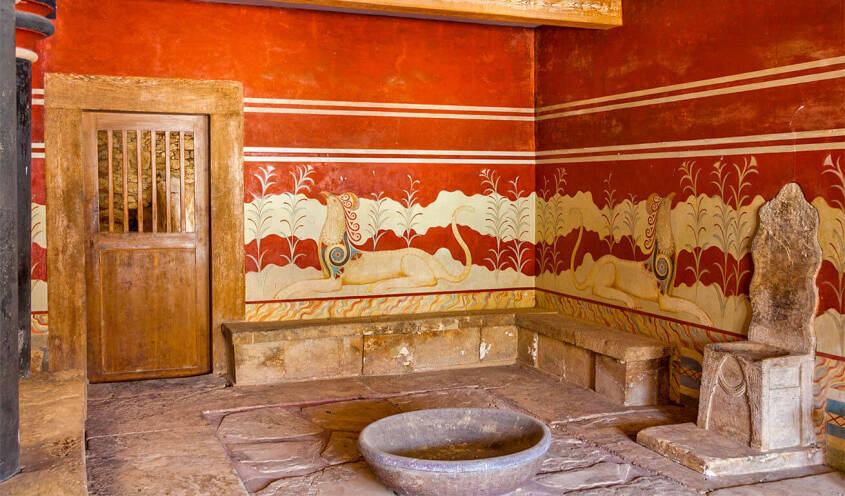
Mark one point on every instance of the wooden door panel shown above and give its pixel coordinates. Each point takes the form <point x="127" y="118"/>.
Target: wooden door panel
<point x="147" y="266"/>
<point x="158" y="335"/>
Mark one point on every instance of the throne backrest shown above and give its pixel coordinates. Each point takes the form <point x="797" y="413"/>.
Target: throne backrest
<point x="787" y="258"/>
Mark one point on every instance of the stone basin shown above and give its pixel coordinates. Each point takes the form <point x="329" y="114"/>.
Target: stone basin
<point x="455" y="451"/>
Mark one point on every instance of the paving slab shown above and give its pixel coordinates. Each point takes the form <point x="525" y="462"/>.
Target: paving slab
<point x="632" y="421"/>
<point x="592" y="453"/>
<point x="450" y="398"/>
<point x="289" y="393"/>
<point x="351" y="479"/>
<point x="52" y="418"/>
<point x="350" y="416"/>
<point x="603" y="473"/>
<point x="265" y="424"/>
<point x="531" y="488"/>
<point x="569" y="453"/>
<point x="341" y="448"/>
<point x="136" y="389"/>
<point x="641" y="486"/>
<point x="170" y="409"/>
<point x="555" y="401"/>
<point x="261" y="463"/>
<point x="173" y="462"/>
<point x="830" y="484"/>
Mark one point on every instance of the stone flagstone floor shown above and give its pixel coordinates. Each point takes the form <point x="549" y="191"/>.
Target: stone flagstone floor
<point x="195" y="436"/>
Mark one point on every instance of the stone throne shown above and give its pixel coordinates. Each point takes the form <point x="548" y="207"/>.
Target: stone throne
<point x="755" y="402"/>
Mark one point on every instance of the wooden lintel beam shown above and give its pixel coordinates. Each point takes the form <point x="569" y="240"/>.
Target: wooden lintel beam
<point x="593" y="14"/>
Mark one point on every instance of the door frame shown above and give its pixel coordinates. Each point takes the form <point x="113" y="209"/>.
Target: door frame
<point x="66" y="98"/>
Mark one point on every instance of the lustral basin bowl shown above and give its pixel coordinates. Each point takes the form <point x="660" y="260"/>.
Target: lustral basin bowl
<point x="455" y="451"/>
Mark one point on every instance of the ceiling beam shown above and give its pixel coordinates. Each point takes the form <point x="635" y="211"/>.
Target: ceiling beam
<point x="593" y="14"/>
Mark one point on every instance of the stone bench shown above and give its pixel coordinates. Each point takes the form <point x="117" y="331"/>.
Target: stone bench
<point x="269" y="352"/>
<point x="627" y="368"/>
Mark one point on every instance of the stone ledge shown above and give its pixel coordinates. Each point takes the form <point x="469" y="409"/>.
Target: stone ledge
<point x="270" y="352"/>
<point x="629" y="369"/>
<point x="621" y="345"/>
<point x="712" y="454"/>
<point x="255" y="332"/>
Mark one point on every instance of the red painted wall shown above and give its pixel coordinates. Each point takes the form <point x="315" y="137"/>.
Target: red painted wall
<point x="691" y="99"/>
<point x="337" y="62"/>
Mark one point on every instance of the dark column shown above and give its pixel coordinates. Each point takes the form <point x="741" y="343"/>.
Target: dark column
<point x="24" y="137"/>
<point x="9" y="364"/>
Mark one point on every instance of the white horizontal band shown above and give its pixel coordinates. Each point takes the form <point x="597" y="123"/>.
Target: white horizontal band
<point x="376" y="113"/>
<point x="263" y="105"/>
<point x="697" y="84"/>
<point x="774" y="83"/>
<point x="386" y="160"/>
<point x="823" y="133"/>
<point x="411" y="106"/>
<point x="383" y="151"/>
<point x="717" y="152"/>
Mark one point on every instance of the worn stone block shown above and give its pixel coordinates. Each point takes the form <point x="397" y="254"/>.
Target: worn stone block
<point x="278" y="361"/>
<point x="498" y="344"/>
<point x="787" y="258"/>
<point x="411" y="324"/>
<point x="388" y="354"/>
<point x="638" y="383"/>
<point x="625" y="346"/>
<point x="403" y="353"/>
<point x="272" y="352"/>
<point x="323" y="358"/>
<point x="446" y="349"/>
<point x="526" y="347"/>
<point x="757" y="395"/>
<point x="243" y="338"/>
<point x="573" y="364"/>
<point x="258" y="363"/>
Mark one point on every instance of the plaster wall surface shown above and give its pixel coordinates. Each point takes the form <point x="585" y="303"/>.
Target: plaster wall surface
<point x="409" y="120"/>
<point x="657" y="143"/>
<point x="705" y="111"/>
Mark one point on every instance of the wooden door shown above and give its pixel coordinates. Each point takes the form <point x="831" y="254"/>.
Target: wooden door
<point x="147" y="265"/>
